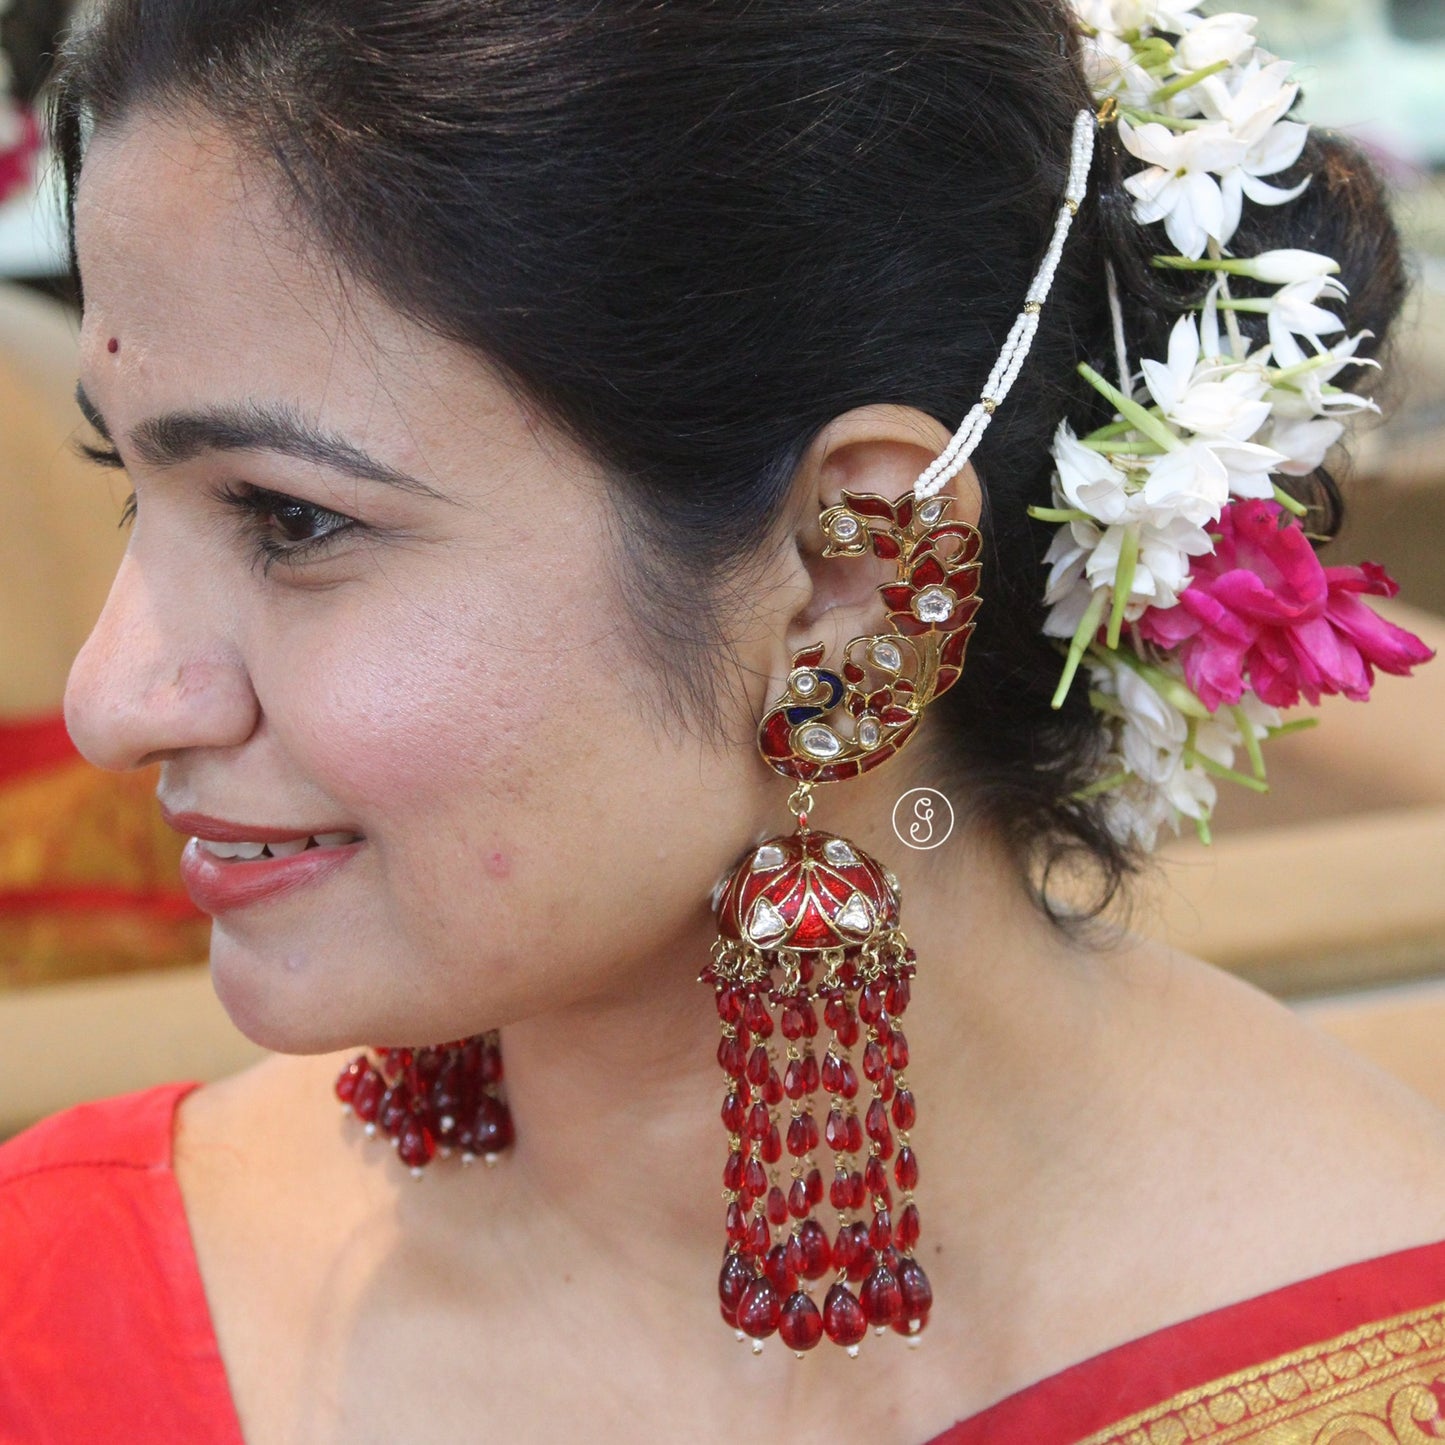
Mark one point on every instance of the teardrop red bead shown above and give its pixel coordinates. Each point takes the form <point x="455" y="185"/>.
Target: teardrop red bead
<point x="759" y="1308"/>
<point x="908" y="1227"/>
<point x="915" y="1290"/>
<point x="905" y="1168"/>
<point x="758" y="1066"/>
<point x="880" y="1232"/>
<point x="737" y="1273"/>
<point x="798" y="1201"/>
<point x="366" y="1097"/>
<point x="732" y="1056"/>
<point x="881" y="1297"/>
<point x="756" y="1016"/>
<point x="817" y="1257"/>
<point x="777" y="1206"/>
<point x="348" y="1078"/>
<point x="758" y="1236"/>
<point x="800" y="1326"/>
<point x="755" y="1178"/>
<point x="898" y="1051"/>
<point x="415" y="1146"/>
<point x="905" y="1110"/>
<point x="843" y="1317"/>
<point x="778" y="1269"/>
<point x="771" y="1148"/>
<point x="815" y="1186"/>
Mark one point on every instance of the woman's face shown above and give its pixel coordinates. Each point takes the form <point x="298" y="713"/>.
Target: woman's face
<point x="420" y="641"/>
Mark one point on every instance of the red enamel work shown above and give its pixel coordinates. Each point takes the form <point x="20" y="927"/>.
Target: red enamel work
<point x="790" y="893"/>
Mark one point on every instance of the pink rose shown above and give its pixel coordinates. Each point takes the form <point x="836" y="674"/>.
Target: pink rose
<point x="1262" y="613"/>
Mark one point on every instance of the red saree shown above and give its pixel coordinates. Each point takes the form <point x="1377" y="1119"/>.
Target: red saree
<point x="105" y="1336"/>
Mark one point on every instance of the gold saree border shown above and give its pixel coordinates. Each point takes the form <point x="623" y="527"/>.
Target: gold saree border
<point x="1371" y="1386"/>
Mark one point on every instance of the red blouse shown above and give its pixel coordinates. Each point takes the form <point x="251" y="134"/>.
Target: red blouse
<point x="106" y="1338"/>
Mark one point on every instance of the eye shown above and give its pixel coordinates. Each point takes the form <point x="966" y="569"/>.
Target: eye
<point x="282" y="528"/>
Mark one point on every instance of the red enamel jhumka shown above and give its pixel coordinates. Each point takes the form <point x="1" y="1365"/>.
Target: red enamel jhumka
<point x="809" y="940"/>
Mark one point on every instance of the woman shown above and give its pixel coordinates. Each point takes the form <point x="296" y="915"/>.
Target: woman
<point x="486" y="375"/>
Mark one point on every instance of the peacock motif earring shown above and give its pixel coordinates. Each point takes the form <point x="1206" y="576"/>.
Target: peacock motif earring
<point x="810" y="949"/>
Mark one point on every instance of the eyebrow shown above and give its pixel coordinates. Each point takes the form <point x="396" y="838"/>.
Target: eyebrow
<point x="181" y="436"/>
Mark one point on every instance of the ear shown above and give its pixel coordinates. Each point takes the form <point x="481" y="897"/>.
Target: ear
<point x="880" y="449"/>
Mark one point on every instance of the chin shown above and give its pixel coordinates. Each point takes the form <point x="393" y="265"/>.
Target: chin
<point x="276" y="1005"/>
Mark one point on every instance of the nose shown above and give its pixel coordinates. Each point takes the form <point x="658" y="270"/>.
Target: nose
<point x="157" y="676"/>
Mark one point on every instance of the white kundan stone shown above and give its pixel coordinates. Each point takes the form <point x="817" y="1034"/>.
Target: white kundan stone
<point x="835" y="850"/>
<point x="933" y="604"/>
<point x="766" y="923"/>
<point x="930" y="512"/>
<point x="856" y="916"/>
<point x="804" y="683"/>
<point x="886" y="655"/>
<point x="769" y="856"/>
<point x="869" y="731"/>
<point x="820" y="742"/>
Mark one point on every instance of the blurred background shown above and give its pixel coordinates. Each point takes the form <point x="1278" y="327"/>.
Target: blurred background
<point x="1330" y="892"/>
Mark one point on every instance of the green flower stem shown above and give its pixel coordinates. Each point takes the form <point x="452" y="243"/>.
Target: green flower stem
<point x="1083" y="636"/>
<point x="1109" y="706"/>
<point x="1201" y="760"/>
<point x="1239" y="349"/>
<point x="1168" y="92"/>
<point x="1103" y="785"/>
<point x="1154" y="117"/>
<point x="1281" y="376"/>
<point x="1123" y="582"/>
<point x="1103" y="433"/>
<point x="1123" y="449"/>
<point x="1261" y="304"/>
<point x="1299" y="725"/>
<point x="1289" y="503"/>
<point x="1130" y="410"/>
<point x="1169" y="688"/>
<point x="1201" y="826"/>
<point x="1058" y="514"/>
<point x="1251" y="743"/>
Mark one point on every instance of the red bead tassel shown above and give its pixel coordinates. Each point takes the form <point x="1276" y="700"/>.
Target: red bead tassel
<point x="432" y="1100"/>
<point x="801" y="896"/>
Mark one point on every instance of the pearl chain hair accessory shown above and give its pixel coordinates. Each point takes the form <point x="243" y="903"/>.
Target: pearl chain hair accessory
<point x="1021" y="335"/>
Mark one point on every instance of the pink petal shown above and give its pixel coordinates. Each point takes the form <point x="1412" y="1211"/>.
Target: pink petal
<point x="1382" y="643"/>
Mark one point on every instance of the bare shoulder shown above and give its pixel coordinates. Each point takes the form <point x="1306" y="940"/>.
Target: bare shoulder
<point x="1313" y="1155"/>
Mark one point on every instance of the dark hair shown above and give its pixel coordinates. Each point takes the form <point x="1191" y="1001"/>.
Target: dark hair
<point x="695" y="232"/>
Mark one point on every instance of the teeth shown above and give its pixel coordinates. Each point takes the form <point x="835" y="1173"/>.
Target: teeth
<point x="288" y="848"/>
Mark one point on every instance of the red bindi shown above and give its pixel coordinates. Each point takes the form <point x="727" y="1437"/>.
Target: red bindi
<point x="113" y="345"/>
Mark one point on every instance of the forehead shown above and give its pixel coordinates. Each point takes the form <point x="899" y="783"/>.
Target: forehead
<point x="190" y="260"/>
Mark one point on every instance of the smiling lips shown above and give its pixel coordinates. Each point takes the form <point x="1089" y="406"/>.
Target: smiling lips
<point x="229" y="865"/>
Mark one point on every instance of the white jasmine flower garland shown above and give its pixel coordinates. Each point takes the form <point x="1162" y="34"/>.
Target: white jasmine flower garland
<point x="1139" y="501"/>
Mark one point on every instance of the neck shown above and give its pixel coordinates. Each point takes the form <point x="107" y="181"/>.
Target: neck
<point x="616" y="1101"/>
